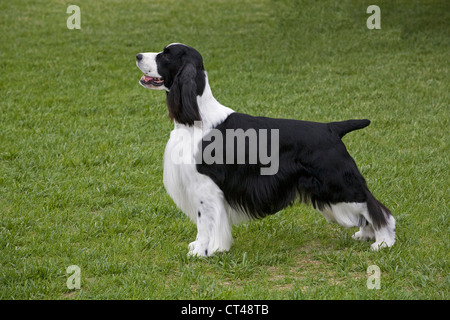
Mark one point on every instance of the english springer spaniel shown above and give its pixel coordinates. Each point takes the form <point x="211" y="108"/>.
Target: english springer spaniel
<point x="275" y="162"/>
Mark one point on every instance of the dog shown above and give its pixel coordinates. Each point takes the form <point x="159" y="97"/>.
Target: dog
<point x="309" y="163"/>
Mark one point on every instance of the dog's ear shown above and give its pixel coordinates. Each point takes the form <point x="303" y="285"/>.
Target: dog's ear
<point x="182" y="97"/>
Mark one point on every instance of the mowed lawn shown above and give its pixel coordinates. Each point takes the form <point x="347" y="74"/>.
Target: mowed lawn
<point x="81" y="147"/>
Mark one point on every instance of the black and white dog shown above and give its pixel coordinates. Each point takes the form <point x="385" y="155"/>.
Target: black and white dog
<point x="307" y="160"/>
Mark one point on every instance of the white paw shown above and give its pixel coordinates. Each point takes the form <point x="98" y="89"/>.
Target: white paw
<point x="380" y="245"/>
<point x="197" y="249"/>
<point x="360" y="235"/>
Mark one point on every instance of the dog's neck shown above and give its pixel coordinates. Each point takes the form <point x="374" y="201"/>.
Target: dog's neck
<point x="211" y="111"/>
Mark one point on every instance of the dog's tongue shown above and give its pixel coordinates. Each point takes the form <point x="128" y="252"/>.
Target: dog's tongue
<point x="146" y="78"/>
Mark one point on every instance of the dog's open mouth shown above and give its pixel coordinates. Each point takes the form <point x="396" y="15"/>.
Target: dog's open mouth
<point x="156" y="82"/>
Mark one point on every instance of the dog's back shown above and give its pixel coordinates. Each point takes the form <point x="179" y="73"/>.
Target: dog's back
<point x="313" y="165"/>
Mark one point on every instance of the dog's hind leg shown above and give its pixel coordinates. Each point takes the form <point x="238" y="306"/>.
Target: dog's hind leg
<point x="365" y="233"/>
<point x="382" y="222"/>
<point x="358" y="214"/>
<point x="347" y="214"/>
<point x="384" y="236"/>
<point x="383" y="233"/>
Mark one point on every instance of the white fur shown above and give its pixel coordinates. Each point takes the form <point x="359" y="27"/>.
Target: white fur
<point x="385" y="237"/>
<point x="349" y="214"/>
<point x="196" y="193"/>
<point x="344" y="213"/>
<point x="149" y="67"/>
<point x="148" y="64"/>
<point x="211" y="111"/>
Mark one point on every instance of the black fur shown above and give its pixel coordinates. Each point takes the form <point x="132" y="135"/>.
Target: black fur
<point x="314" y="165"/>
<point x="182" y="69"/>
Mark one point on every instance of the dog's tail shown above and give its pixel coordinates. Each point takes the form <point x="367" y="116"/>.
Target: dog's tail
<point x="341" y="128"/>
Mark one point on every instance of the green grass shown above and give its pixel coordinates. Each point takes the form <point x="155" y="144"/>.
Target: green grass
<point x="81" y="147"/>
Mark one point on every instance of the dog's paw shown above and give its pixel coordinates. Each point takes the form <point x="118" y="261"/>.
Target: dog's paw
<point x="360" y="235"/>
<point x="380" y="245"/>
<point x="199" y="250"/>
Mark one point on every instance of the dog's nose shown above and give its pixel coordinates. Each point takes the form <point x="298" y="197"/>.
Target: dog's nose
<point x="139" y="57"/>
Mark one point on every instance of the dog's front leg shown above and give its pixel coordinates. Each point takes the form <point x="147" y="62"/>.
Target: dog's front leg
<point x="213" y="227"/>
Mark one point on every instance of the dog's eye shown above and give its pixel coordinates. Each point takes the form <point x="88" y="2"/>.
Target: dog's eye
<point x="165" y="54"/>
<point x="165" y="57"/>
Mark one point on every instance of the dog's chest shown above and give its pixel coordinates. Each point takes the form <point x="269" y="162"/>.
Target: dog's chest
<point x="180" y="172"/>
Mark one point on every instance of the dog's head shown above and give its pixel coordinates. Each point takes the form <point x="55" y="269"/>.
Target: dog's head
<point x="179" y="70"/>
